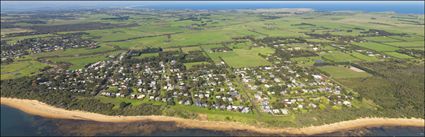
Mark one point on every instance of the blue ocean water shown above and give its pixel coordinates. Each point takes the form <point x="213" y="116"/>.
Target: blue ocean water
<point x="16" y="123"/>
<point x="406" y="7"/>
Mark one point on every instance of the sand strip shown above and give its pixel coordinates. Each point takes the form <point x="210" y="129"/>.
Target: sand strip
<point x="41" y="109"/>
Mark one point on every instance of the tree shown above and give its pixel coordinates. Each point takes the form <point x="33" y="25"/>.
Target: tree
<point x="124" y="104"/>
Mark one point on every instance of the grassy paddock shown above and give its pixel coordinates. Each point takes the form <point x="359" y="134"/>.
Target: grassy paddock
<point x="248" y="58"/>
<point x="364" y="57"/>
<point x="410" y="44"/>
<point x="398" y="55"/>
<point x="343" y="72"/>
<point x="376" y="46"/>
<point x="381" y="39"/>
<point x="337" y="56"/>
<point x="20" y="69"/>
<point x="189" y="49"/>
<point x="306" y="61"/>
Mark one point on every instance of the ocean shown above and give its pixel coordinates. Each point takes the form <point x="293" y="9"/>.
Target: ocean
<point x="405" y="7"/>
<point x="17" y="123"/>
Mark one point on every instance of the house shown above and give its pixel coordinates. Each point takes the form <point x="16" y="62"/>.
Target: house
<point x="284" y="111"/>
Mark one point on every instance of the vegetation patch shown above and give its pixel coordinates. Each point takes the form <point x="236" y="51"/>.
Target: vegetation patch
<point x="191" y="64"/>
<point x="147" y="55"/>
<point x="306" y="61"/>
<point x="189" y="49"/>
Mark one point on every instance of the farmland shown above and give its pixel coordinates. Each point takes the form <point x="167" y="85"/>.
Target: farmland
<point x="343" y="72"/>
<point x="258" y="67"/>
<point x="247" y="58"/>
<point x="377" y="46"/>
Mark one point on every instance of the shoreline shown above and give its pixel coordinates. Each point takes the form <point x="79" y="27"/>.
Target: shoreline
<point x="38" y="108"/>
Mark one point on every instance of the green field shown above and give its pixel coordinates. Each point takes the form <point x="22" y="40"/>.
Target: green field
<point x="208" y="47"/>
<point x="342" y="72"/>
<point x="381" y="39"/>
<point x="189" y="49"/>
<point x="20" y="69"/>
<point x="364" y="57"/>
<point x="306" y="61"/>
<point x="337" y="56"/>
<point x="398" y="55"/>
<point x="247" y="58"/>
<point x="410" y="44"/>
<point x="376" y="46"/>
<point x="79" y="62"/>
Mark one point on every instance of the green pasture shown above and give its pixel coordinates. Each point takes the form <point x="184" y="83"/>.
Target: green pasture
<point x="410" y="44"/>
<point x="398" y="55"/>
<point x="248" y="58"/>
<point x="337" y="56"/>
<point x="208" y="48"/>
<point x="20" y="69"/>
<point x="364" y="57"/>
<point x="376" y="46"/>
<point x="306" y="61"/>
<point x="189" y="49"/>
<point x="342" y="72"/>
<point x="381" y="39"/>
<point x="79" y="62"/>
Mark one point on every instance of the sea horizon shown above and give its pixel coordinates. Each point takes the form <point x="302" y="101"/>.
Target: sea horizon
<point x="403" y="7"/>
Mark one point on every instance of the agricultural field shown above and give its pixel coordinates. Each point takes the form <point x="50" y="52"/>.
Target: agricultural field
<point x="247" y="58"/>
<point x="377" y="47"/>
<point x="382" y="39"/>
<point x="189" y="49"/>
<point x="364" y="57"/>
<point x="410" y="44"/>
<point x="398" y="55"/>
<point x="21" y="69"/>
<point x="306" y="61"/>
<point x="78" y="62"/>
<point x="339" y="72"/>
<point x="339" y="57"/>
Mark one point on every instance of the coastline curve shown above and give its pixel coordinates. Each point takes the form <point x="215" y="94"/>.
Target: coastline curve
<point x="35" y="107"/>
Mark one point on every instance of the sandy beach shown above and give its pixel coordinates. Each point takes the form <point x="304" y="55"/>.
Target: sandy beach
<point x="38" y="108"/>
